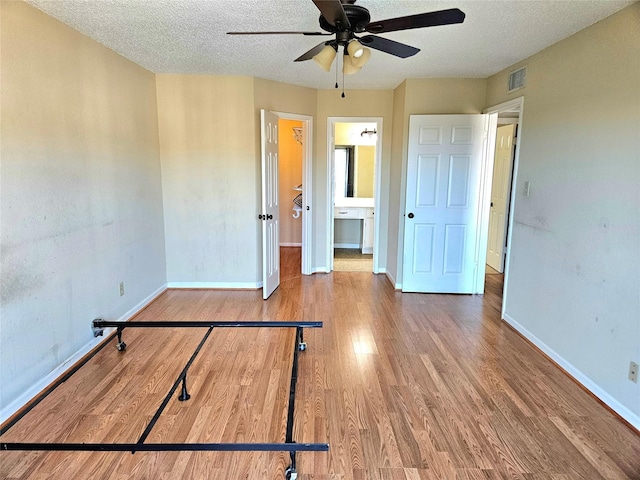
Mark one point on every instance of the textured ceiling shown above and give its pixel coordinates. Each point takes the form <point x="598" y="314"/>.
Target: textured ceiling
<point x="189" y="36"/>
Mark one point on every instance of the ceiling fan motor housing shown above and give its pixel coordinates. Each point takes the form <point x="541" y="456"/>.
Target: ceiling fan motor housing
<point x="358" y="17"/>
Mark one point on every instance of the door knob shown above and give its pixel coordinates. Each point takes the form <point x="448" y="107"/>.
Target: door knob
<point x="410" y="215"/>
<point x="269" y="216"/>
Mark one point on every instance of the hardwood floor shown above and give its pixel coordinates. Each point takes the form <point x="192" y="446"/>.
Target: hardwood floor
<point x="402" y="386"/>
<point x="290" y="263"/>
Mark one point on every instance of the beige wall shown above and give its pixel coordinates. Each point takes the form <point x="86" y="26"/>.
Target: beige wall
<point x="283" y="97"/>
<point x="365" y="168"/>
<point x="426" y="96"/>
<point x="209" y="177"/>
<point x="574" y="276"/>
<point x="291" y="99"/>
<point x="81" y="205"/>
<point x="210" y="147"/>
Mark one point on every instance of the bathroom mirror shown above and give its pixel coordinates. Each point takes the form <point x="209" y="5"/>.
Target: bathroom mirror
<point x="354" y="160"/>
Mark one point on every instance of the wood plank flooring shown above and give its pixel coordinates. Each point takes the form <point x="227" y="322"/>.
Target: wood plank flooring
<point x="402" y="386"/>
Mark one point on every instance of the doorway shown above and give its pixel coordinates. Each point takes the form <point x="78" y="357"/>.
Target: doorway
<point x="290" y="191"/>
<point x="509" y="112"/>
<point x="427" y="267"/>
<point x="301" y="193"/>
<point x="506" y="138"/>
<point x="354" y="151"/>
<point x="270" y="198"/>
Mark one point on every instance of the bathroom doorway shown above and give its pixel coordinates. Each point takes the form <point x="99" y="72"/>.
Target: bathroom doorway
<point x="354" y="166"/>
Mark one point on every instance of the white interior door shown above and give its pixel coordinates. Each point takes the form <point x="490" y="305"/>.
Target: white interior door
<point x="441" y="235"/>
<point x="269" y="215"/>
<point x="500" y="192"/>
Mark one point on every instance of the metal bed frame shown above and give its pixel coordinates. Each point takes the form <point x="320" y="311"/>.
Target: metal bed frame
<point x="99" y="325"/>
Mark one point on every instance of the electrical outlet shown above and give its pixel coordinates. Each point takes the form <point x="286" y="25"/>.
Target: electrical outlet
<point x="121" y="288"/>
<point x="633" y="372"/>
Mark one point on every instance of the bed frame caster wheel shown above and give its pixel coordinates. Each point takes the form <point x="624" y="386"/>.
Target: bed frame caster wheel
<point x="302" y="346"/>
<point x="290" y="473"/>
<point x="121" y="346"/>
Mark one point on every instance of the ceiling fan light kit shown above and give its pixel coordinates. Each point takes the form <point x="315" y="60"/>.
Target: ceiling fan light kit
<point x="348" y="66"/>
<point x="344" y="20"/>
<point x="355" y="49"/>
<point x="324" y="59"/>
<point x="362" y="59"/>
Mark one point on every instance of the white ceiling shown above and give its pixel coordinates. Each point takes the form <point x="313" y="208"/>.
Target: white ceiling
<point x="189" y="36"/>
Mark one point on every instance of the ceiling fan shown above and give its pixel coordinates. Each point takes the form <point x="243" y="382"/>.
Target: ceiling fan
<point x="344" y="19"/>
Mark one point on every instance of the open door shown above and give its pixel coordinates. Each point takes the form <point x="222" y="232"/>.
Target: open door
<point x="269" y="215"/>
<point x="442" y="248"/>
<point x="500" y="192"/>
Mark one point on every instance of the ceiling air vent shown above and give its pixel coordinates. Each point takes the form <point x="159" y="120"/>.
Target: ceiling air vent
<point x="517" y="79"/>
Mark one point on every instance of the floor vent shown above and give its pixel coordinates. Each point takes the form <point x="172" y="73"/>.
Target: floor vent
<point x="517" y="79"/>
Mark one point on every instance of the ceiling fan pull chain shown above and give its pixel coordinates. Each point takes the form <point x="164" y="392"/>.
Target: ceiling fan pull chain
<point x="342" y="76"/>
<point x="337" y="73"/>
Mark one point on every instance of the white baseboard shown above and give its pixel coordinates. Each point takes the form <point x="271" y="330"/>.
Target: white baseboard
<point x="43" y="383"/>
<point x="346" y="245"/>
<point x="391" y="278"/>
<point x="216" y="285"/>
<point x="285" y="244"/>
<point x="580" y="377"/>
<point x="146" y="301"/>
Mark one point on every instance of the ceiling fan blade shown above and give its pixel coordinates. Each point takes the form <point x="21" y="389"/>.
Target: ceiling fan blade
<point x="430" y="19"/>
<point x="333" y="13"/>
<point x="389" y="46"/>
<point x="279" y="33"/>
<point x="312" y="53"/>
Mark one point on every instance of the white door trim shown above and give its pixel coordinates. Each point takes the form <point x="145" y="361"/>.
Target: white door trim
<point x="517" y="104"/>
<point x="484" y="209"/>
<point x="331" y="121"/>
<point x="307" y="182"/>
